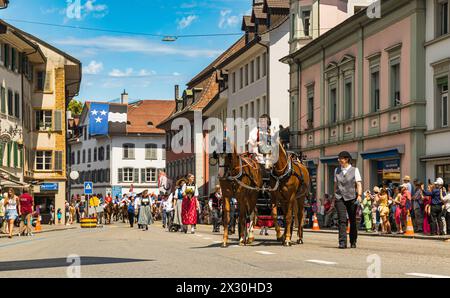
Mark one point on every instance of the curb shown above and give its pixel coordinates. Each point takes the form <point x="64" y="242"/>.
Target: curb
<point x="42" y="232"/>
<point x="420" y="237"/>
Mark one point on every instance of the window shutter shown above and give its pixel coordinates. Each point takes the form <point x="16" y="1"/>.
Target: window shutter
<point x="48" y="81"/>
<point x="57" y="126"/>
<point x="8" y="156"/>
<point x="58" y="161"/>
<point x="108" y="177"/>
<point x="2" y="152"/>
<point x="32" y="159"/>
<point x="143" y="176"/>
<point x="136" y="176"/>
<point x="120" y="175"/>
<point x="16" y="154"/>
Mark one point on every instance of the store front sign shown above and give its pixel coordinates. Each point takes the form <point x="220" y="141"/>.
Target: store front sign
<point x="49" y="187"/>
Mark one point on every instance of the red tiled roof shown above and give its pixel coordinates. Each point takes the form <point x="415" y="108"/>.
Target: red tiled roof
<point x="277" y="3"/>
<point x="144" y="112"/>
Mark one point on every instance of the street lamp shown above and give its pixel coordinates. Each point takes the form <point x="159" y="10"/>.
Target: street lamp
<point x="169" y="38"/>
<point x="4" y="4"/>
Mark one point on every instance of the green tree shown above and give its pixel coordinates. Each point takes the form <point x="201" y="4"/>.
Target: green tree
<point x="76" y="107"/>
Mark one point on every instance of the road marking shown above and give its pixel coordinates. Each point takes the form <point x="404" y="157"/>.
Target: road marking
<point x="261" y="252"/>
<point x="206" y="238"/>
<point x="427" y="275"/>
<point x="321" y="262"/>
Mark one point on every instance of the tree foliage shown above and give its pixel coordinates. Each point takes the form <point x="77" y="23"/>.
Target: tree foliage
<point x="76" y="107"/>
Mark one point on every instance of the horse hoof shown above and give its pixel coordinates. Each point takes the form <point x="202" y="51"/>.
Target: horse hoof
<point x="224" y="245"/>
<point x="299" y="241"/>
<point x="250" y="240"/>
<point x="287" y="244"/>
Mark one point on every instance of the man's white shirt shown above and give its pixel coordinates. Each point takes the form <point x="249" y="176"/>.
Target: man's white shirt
<point x="345" y="170"/>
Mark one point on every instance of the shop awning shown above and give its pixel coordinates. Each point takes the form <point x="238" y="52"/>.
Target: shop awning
<point x="334" y="159"/>
<point x="384" y="153"/>
<point x="435" y="157"/>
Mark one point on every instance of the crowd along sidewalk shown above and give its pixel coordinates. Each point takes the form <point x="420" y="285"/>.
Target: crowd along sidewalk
<point x="393" y="235"/>
<point x="45" y="229"/>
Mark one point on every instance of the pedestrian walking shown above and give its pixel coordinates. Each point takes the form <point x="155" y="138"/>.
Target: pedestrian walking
<point x="190" y="205"/>
<point x="26" y="211"/>
<point x="178" y="204"/>
<point x="436" y="206"/>
<point x="348" y="193"/>
<point x="131" y="210"/>
<point x="12" y="206"/>
<point x="145" y="214"/>
<point x="375" y="213"/>
<point x="215" y="205"/>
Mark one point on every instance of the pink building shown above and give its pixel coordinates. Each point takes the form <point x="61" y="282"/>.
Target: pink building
<point x="360" y="87"/>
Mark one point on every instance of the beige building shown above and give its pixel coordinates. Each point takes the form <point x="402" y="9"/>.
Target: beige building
<point x="48" y="84"/>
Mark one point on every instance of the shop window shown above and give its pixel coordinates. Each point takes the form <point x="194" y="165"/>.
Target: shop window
<point x="443" y="171"/>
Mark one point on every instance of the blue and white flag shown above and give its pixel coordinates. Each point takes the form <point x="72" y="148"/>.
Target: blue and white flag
<point x="99" y="119"/>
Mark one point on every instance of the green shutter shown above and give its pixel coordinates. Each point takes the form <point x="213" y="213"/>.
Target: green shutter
<point x="16" y="154"/>
<point x="3" y="100"/>
<point x="8" y="157"/>
<point x="2" y="152"/>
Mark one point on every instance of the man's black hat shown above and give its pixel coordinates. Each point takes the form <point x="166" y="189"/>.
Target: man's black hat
<point x="345" y="154"/>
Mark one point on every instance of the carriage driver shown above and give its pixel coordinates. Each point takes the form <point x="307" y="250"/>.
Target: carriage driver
<point x="260" y="142"/>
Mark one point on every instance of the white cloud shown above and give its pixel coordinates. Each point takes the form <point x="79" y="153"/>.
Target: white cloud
<point x="135" y="45"/>
<point x="93" y="68"/>
<point x="129" y="72"/>
<point x="227" y="20"/>
<point x="176" y="74"/>
<point x="186" y="21"/>
<point x="75" y="9"/>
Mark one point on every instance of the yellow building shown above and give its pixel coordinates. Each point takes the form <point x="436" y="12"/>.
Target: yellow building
<point x="53" y="85"/>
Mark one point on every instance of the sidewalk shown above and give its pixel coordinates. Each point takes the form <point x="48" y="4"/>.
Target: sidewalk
<point x="364" y="233"/>
<point x="45" y="229"/>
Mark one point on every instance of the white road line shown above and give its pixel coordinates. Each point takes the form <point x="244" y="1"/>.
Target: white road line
<point x="321" y="262"/>
<point x="427" y="275"/>
<point x="261" y="252"/>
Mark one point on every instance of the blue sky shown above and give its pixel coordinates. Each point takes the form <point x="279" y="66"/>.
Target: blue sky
<point x="145" y="66"/>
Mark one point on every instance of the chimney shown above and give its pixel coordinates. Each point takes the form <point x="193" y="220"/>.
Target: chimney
<point x="177" y="92"/>
<point x="124" y="98"/>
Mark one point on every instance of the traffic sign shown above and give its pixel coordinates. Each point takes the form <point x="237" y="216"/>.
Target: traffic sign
<point x="88" y="188"/>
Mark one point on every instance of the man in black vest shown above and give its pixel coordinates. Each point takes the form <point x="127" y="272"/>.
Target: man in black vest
<point x="348" y="193"/>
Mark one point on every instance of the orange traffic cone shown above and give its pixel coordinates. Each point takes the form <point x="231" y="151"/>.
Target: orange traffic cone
<point x="315" y="224"/>
<point x="409" y="226"/>
<point x="348" y="227"/>
<point x="38" y="227"/>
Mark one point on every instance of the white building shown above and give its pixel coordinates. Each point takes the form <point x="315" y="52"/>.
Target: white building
<point x="257" y="82"/>
<point x="437" y="77"/>
<point x="118" y="161"/>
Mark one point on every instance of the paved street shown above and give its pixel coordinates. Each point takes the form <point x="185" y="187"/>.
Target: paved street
<point x="118" y="251"/>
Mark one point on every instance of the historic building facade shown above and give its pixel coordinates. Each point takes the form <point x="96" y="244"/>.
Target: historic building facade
<point x="358" y="87"/>
<point x="437" y="46"/>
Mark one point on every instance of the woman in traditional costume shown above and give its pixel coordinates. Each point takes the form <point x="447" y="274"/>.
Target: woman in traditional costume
<point x="145" y="212"/>
<point x="190" y="204"/>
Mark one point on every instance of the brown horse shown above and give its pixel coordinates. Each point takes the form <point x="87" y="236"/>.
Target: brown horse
<point x="124" y="212"/>
<point x="108" y="213"/>
<point x="242" y="180"/>
<point x="293" y="179"/>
